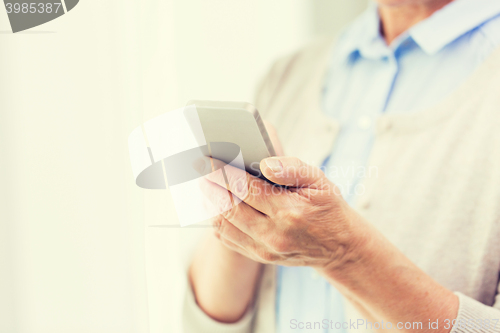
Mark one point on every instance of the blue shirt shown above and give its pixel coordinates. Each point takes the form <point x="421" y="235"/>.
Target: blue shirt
<point x="366" y="78"/>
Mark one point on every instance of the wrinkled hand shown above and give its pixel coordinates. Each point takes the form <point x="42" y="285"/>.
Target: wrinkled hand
<point x="306" y="223"/>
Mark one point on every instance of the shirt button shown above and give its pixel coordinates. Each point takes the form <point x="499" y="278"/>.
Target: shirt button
<point x="364" y="122"/>
<point x="386" y="126"/>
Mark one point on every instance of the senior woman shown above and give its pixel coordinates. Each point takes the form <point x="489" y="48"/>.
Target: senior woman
<point x="410" y="90"/>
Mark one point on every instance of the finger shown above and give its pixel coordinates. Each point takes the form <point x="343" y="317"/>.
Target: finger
<point x="242" y="216"/>
<point x="254" y="191"/>
<point x="234" y="247"/>
<point x="211" y="210"/>
<point x="214" y="171"/>
<point x="292" y="171"/>
<point x="238" y="249"/>
<point x="245" y="245"/>
<point x="258" y="193"/>
<point x="241" y="243"/>
<point x="217" y="199"/>
<point x="227" y="231"/>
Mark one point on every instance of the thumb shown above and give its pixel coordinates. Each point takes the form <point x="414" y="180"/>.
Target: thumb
<point x="291" y="171"/>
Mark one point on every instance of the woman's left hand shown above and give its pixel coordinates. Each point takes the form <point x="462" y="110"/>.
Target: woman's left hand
<point x="308" y="223"/>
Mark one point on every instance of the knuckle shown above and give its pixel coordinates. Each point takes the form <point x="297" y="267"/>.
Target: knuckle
<point x="239" y="185"/>
<point x="295" y="215"/>
<point x="280" y="245"/>
<point x="281" y="214"/>
<point x="223" y="204"/>
<point x="266" y="256"/>
<point x="216" y="221"/>
<point x="232" y="213"/>
<point x="291" y="216"/>
<point x="222" y="227"/>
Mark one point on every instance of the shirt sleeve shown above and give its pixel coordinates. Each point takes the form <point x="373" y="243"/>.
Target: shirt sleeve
<point x="194" y="320"/>
<point x="476" y="317"/>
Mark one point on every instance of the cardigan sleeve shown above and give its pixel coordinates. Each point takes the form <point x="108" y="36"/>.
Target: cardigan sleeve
<point x="194" y="320"/>
<point x="475" y="317"/>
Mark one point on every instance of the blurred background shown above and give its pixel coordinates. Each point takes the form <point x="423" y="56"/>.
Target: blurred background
<point x="82" y="249"/>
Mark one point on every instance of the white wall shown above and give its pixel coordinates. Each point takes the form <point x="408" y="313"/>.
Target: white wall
<point x="72" y="217"/>
<point x="329" y="16"/>
<point x="76" y="250"/>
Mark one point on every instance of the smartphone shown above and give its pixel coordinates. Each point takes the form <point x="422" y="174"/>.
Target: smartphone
<point x="237" y="123"/>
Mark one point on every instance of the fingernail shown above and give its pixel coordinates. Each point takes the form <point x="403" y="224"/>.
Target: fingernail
<point x="274" y="164"/>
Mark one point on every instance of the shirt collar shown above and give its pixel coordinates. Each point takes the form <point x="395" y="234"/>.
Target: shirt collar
<point x="451" y="22"/>
<point x="431" y="35"/>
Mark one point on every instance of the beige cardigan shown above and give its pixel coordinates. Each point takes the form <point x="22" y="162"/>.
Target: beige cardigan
<point x="437" y="193"/>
